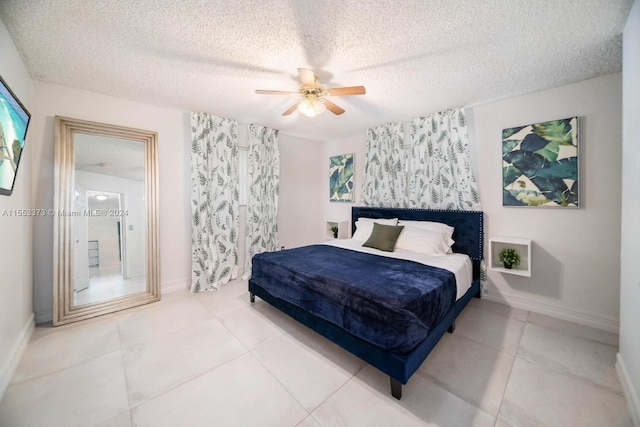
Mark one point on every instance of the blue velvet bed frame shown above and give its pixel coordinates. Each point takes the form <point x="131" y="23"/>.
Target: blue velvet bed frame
<point x="468" y="236"/>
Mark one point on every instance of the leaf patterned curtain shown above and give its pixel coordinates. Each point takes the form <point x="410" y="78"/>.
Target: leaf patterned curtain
<point x="214" y="201"/>
<point x="262" y="200"/>
<point x="442" y="177"/>
<point x="384" y="172"/>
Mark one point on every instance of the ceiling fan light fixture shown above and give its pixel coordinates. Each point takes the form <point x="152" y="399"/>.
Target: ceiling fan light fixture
<point x="311" y="106"/>
<point x="313" y="93"/>
<point x="306" y="108"/>
<point x="319" y="106"/>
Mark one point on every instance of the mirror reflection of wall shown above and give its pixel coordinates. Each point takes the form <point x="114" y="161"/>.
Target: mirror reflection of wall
<point x="109" y="232"/>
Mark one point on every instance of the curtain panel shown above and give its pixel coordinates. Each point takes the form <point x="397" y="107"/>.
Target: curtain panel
<point x="262" y="198"/>
<point x="214" y="201"/>
<point x="441" y="176"/>
<point x="385" y="173"/>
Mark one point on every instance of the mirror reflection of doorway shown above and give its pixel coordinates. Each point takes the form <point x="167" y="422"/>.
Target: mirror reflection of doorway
<point x="108" y="275"/>
<point x="105" y="158"/>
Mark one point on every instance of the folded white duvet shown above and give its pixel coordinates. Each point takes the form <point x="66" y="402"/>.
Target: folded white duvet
<point x="459" y="264"/>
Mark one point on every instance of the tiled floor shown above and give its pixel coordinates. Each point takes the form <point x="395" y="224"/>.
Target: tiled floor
<point x="106" y="283"/>
<point x="213" y="359"/>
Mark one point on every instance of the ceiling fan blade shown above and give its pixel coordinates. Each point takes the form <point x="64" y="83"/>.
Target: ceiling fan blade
<point x="307" y="78"/>
<point x="291" y="110"/>
<point x="275" y="92"/>
<point x="333" y="107"/>
<point x="351" y="90"/>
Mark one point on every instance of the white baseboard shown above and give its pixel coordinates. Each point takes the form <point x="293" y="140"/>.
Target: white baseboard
<point x="176" y="285"/>
<point x="629" y="391"/>
<point x="594" y="320"/>
<point x="14" y="355"/>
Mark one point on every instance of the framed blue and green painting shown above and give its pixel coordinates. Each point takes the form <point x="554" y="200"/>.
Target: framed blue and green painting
<point x="341" y="178"/>
<point x="14" y="121"/>
<point x="540" y="164"/>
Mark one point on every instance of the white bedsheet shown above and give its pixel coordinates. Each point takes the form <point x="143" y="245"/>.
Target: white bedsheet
<point x="459" y="264"/>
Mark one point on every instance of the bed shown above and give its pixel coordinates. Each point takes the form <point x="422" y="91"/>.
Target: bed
<point x="389" y="312"/>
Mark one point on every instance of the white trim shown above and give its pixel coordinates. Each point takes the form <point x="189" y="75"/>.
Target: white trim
<point x="6" y="374"/>
<point x="629" y="392"/>
<point x="582" y="317"/>
<point x="176" y="285"/>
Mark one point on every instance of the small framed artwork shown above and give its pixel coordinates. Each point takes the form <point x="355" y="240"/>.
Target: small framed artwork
<point x="14" y="121"/>
<point x="341" y="178"/>
<point x="540" y="164"/>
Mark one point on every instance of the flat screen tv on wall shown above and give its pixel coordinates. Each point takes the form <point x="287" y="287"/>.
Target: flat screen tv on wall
<point x="14" y="121"/>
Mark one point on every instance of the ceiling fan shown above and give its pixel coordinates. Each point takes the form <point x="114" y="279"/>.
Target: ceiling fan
<point x="314" y="94"/>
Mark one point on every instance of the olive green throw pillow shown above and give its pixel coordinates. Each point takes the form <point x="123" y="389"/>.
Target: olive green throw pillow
<point x="383" y="237"/>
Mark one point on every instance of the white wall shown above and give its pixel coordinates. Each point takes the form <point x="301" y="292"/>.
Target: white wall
<point x="16" y="233"/>
<point x="300" y="214"/>
<point x="573" y="277"/>
<point x="575" y="260"/>
<point x="174" y="173"/>
<point x="104" y="230"/>
<point x="629" y="356"/>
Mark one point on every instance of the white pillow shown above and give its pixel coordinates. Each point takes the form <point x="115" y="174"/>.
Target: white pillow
<point x="385" y="221"/>
<point x="423" y="241"/>
<point x="430" y="226"/>
<point x="364" y="227"/>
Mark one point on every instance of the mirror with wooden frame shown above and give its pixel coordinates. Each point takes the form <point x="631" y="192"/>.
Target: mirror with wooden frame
<point x="106" y="250"/>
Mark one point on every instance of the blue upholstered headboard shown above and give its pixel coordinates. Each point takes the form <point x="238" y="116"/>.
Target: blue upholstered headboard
<point x="468" y="225"/>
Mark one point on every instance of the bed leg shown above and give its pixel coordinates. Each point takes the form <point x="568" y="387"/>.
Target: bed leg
<point x="252" y="297"/>
<point x="396" y="388"/>
<point x="452" y="327"/>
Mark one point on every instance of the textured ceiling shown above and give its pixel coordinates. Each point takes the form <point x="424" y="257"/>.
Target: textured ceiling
<point x="124" y="157"/>
<point x="413" y="56"/>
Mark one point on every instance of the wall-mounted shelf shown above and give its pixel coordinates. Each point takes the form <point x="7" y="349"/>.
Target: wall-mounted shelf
<point x="522" y="246"/>
<point x="94" y="253"/>
<point x="342" y="229"/>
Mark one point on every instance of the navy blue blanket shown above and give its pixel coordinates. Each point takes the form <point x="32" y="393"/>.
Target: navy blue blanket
<point x="389" y="302"/>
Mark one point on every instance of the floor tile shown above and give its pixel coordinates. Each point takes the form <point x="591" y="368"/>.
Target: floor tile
<point x="106" y="283"/>
<point x="219" y="398"/>
<point x="83" y="395"/>
<point x="122" y="420"/>
<point x="154" y="321"/>
<point x="366" y="401"/>
<point x="574" y="329"/>
<point x="474" y="371"/>
<point x="497" y="331"/>
<point x="326" y="348"/>
<point x="308" y="422"/>
<point x="307" y="375"/>
<point x="216" y="359"/>
<point x="45" y="328"/>
<point x="257" y="323"/>
<point x="232" y="296"/>
<point x="540" y="396"/>
<point x="157" y="365"/>
<point x="51" y="352"/>
<point x="168" y="297"/>
<point x="498" y="308"/>
<point x="571" y="355"/>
